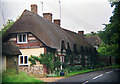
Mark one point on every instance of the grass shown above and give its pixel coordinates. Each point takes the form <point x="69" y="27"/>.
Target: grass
<point x="11" y="76"/>
<point x="113" y="66"/>
<point x="89" y="70"/>
<point x="78" y="72"/>
<point x="82" y="71"/>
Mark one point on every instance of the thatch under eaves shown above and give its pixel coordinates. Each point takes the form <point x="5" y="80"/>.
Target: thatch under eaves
<point x="47" y="32"/>
<point x="10" y="49"/>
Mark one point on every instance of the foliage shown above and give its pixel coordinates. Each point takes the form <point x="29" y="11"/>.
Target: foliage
<point x="47" y="60"/>
<point x="91" y="34"/>
<point x="69" y="58"/>
<point x="113" y="66"/>
<point x="79" y="72"/>
<point x="75" y="68"/>
<point x="11" y="76"/>
<point x="110" y="35"/>
<point x="32" y="60"/>
<point x="89" y="70"/>
<point x="108" y="50"/>
<point x="65" y="65"/>
<point x="57" y="63"/>
<point x="7" y="26"/>
<point x="101" y="64"/>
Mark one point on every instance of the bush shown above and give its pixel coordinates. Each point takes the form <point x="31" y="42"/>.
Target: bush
<point x="65" y="71"/>
<point x="102" y="64"/>
<point x="65" y="65"/>
<point x="75" y="68"/>
<point x="57" y="72"/>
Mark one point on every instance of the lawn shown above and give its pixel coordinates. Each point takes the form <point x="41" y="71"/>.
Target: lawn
<point x="78" y="72"/>
<point x="11" y="76"/>
<point x="89" y="70"/>
<point x="113" y="66"/>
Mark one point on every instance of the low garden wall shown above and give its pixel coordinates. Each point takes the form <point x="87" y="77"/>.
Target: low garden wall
<point x="38" y="70"/>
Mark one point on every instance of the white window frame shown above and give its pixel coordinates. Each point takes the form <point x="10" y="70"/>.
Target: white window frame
<point x="62" y="59"/>
<point x="23" y="60"/>
<point x="22" y="38"/>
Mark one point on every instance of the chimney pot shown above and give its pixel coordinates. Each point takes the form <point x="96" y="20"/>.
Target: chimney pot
<point x="48" y="16"/>
<point x="34" y="8"/>
<point x="57" y="21"/>
<point x="81" y="32"/>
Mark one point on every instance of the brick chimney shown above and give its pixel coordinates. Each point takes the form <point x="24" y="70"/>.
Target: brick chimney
<point x="34" y="8"/>
<point x="57" y="21"/>
<point x="81" y="32"/>
<point x="48" y="16"/>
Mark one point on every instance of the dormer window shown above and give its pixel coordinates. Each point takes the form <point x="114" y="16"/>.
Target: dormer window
<point x="21" y="38"/>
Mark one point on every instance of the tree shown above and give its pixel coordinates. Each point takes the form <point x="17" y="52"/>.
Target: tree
<point x="91" y="34"/>
<point x="110" y="35"/>
<point x="7" y="26"/>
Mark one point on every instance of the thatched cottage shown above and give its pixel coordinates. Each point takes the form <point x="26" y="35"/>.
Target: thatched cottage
<point x="35" y="35"/>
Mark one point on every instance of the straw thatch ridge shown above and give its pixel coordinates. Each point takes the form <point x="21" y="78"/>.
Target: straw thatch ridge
<point x="47" y="32"/>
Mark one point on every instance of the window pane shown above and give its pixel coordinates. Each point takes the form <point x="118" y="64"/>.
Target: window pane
<point x="60" y="58"/>
<point x="25" y="59"/>
<point x="21" y="60"/>
<point x="24" y="38"/>
<point x="20" y="38"/>
<point x="63" y="59"/>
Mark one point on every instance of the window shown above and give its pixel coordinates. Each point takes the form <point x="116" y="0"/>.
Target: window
<point x="62" y="59"/>
<point x="22" y="38"/>
<point x="23" y="60"/>
<point x="86" y="57"/>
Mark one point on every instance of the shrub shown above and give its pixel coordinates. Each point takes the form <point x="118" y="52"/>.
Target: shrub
<point x="102" y="64"/>
<point x="47" y="60"/>
<point x="75" y="68"/>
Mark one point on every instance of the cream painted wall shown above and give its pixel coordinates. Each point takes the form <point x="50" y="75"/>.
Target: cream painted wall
<point x="33" y="51"/>
<point x="3" y="63"/>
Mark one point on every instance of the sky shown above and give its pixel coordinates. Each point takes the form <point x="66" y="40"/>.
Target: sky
<point x="76" y="15"/>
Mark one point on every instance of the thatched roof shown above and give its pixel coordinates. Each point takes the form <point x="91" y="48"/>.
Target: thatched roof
<point x="93" y="40"/>
<point x="47" y="32"/>
<point x="10" y="49"/>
